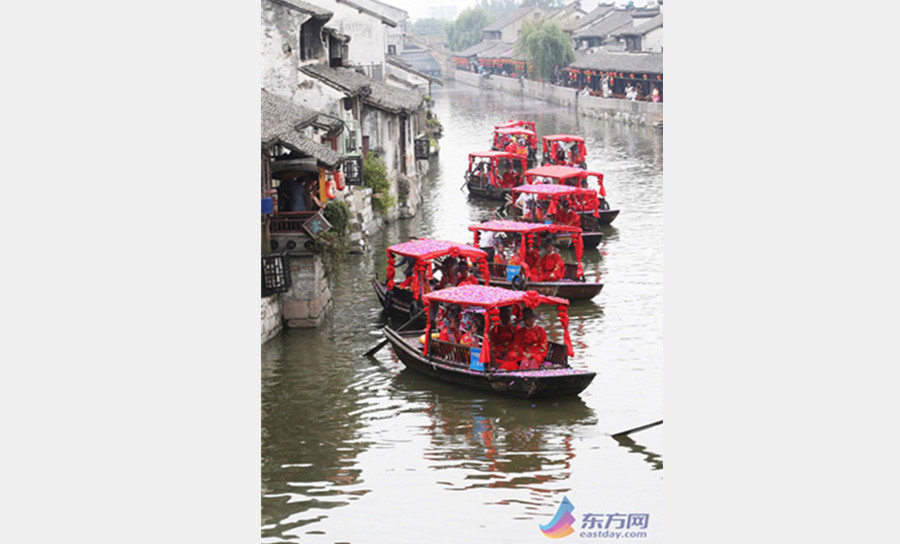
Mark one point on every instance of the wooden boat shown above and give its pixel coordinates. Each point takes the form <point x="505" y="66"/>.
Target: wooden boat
<point x="484" y="176"/>
<point x="404" y="301"/>
<point x="533" y="203"/>
<point x="593" y="204"/>
<point x="573" y="286"/>
<point x="517" y="123"/>
<point x="475" y="366"/>
<point x="503" y="137"/>
<point x="564" y="150"/>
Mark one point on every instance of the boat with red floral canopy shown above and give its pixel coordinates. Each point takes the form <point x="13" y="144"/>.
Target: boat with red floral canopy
<point x="478" y="366"/>
<point x="491" y="174"/>
<point x="518" y="271"/>
<point x="404" y="300"/>
<point x="593" y="204"/>
<point x="539" y="203"/>
<point x="510" y="139"/>
<point x="517" y="123"/>
<point x="563" y="150"/>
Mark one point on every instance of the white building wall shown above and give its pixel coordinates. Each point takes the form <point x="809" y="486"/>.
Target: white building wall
<point x="280" y="48"/>
<point x="653" y="40"/>
<point x="368" y="40"/>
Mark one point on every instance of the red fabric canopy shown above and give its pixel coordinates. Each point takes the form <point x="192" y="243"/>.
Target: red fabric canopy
<point x="515" y="130"/>
<point x="564" y="138"/>
<point x="490" y="297"/>
<point x="511" y="123"/>
<point x="431" y="249"/>
<point x="555" y="171"/>
<point x="501" y="154"/>
<point x="545" y="189"/>
<point x="503" y="225"/>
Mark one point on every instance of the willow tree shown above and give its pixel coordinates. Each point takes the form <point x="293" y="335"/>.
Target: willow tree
<point x="544" y="45"/>
<point x="466" y="31"/>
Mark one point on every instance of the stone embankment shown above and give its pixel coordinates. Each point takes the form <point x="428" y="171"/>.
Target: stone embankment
<point x="632" y="112"/>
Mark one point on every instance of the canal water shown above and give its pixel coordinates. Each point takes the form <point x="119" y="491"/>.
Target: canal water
<point x="361" y="450"/>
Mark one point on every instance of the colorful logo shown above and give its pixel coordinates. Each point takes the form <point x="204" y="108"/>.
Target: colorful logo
<point x="561" y="524"/>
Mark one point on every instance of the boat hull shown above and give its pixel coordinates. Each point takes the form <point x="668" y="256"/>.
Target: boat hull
<point x="526" y="384"/>
<point x="571" y="290"/>
<point x="398" y="307"/>
<point x="488" y="192"/>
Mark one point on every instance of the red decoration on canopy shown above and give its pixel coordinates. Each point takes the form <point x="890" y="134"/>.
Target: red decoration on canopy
<point x="578" y="242"/>
<point x="485" y="271"/>
<point x="563" y="314"/>
<point x="427" y="326"/>
<point x="477" y="241"/>
<point x="390" y="271"/>
<point x="531" y="299"/>
<point x="491" y="317"/>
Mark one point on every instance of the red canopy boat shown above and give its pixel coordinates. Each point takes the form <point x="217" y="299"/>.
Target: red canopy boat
<point x="516" y="123"/>
<point x="514" y="272"/>
<point x="564" y="150"/>
<point x="509" y="139"/>
<point x="539" y="203"/>
<point x="594" y="204"/>
<point x="476" y="366"/>
<point x="491" y="174"/>
<point x="403" y="300"/>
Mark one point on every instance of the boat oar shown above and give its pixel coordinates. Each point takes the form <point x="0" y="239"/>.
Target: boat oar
<point x="381" y="344"/>
<point x="636" y="429"/>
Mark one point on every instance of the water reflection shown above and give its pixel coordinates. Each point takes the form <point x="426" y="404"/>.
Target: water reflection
<point x="654" y="459"/>
<point x="339" y="430"/>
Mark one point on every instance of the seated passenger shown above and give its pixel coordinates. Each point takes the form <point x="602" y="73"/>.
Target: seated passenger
<point x="530" y="342"/>
<point x="454" y="334"/>
<point x="502" y="340"/>
<point x="551" y="266"/>
<point x="462" y="275"/>
<point x="448" y="277"/>
<point x="566" y="216"/>
<point x="510" y="179"/>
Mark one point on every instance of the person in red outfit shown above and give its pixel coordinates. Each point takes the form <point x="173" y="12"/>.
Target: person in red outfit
<point x="463" y="277"/>
<point x="551" y="266"/>
<point x="448" y="276"/>
<point x="566" y="216"/>
<point x="510" y="179"/>
<point x="530" y="342"/>
<point x="502" y="339"/>
<point x="453" y="333"/>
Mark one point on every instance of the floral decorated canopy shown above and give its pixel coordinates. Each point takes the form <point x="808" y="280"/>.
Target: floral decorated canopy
<point x="563" y="138"/>
<point x="493" y="155"/>
<point x="512" y="123"/>
<point x="515" y="130"/>
<point x="503" y="225"/>
<point x="427" y="249"/>
<point x="424" y="251"/>
<point x="555" y="171"/>
<point x="491" y="299"/>
<point x="551" y="191"/>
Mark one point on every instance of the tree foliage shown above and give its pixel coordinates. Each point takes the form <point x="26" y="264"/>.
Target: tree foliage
<point x="466" y="31"/>
<point x="545" y="46"/>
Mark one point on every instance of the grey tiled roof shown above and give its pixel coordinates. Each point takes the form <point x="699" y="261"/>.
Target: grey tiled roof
<point x="316" y="11"/>
<point x="280" y="115"/>
<point x="489" y="49"/>
<point x="607" y="25"/>
<point x="280" y="120"/>
<point x="371" y="10"/>
<point x="401" y="63"/>
<point x="393" y="99"/>
<point x="649" y="63"/>
<point x="589" y="19"/>
<point x="509" y="18"/>
<point x="641" y="28"/>
<point x="374" y="93"/>
<point x="343" y="79"/>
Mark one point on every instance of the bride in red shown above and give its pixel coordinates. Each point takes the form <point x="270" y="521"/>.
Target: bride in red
<point x="551" y="266"/>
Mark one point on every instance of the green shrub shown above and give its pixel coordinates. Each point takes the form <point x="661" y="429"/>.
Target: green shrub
<point x="375" y="177"/>
<point x="331" y="245"/>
